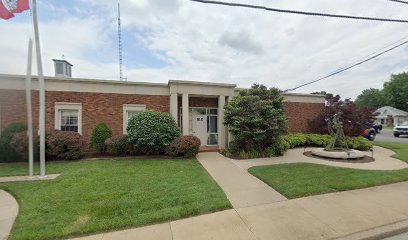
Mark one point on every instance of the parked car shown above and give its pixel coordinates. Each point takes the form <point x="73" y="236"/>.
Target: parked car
<point x="378" y="127"/>
<point x="401" y="129"/>
<point x="369" y="134"/>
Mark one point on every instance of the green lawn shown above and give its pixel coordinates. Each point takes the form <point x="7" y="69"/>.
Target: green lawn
<point x="305" y="179"/>
<point x="104" y="195"/>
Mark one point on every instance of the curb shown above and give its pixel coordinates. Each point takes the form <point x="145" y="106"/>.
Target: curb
<point x="378" y="233"/>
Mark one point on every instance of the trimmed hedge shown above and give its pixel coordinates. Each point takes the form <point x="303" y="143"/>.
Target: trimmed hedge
<point x="118" y="145"/>
<point x="100" y="133"/>
<point x="7" y="153"/>
<point x="317" y="140"/>
<point x="151" y="132"/>
<point x="184" y="146"/>
<point x="63" y="145"/>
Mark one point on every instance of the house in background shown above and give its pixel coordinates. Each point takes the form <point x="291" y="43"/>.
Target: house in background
<point x="391" y="116"/>
<point x="74" y="104"/>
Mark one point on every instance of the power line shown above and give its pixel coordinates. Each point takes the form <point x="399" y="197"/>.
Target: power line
<point x="348" y="67"/>
<point x="399" y="1"/>
<point x="301" y="12"/>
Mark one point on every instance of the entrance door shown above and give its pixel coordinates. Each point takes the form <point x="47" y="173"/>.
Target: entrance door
<point x="200" y="128"/>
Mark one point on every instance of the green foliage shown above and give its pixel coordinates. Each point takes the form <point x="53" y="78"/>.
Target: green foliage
<point x="62" y="145"/>
<point x="396" y="91"/>
<point x="117" y="145"/>
<point x="184" y="146"/>
<point x="317" y="140"/>
<point x="151" y="132"/>
<point x="373" y="98"/>
<point x="255" y="118"/>
<point x="98" y="137"/>
<point x="19" y="143"/>
<point x="8" y="154"/>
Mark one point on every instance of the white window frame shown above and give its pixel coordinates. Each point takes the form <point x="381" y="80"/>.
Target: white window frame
<point x="131" y="108"/>
<point x="67" y="106"/>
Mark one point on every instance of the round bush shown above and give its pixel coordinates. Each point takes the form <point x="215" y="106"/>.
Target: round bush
<point x="151" y="132"/>
<point x="19" y="143"/>
<point x="185" y="146"/>
<point x="117" y="145"/>
<point x="8" y="154"/>
<point x="99" y="135"/>
<point x="64" y="145"/>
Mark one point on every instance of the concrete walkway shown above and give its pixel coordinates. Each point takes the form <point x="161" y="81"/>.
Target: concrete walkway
<point x="241" y="188"/>
<point x="27" y="178"/>
<point x="383" y="160"/>
<point x="356" y="214"/>
<point x="8" y="213"/>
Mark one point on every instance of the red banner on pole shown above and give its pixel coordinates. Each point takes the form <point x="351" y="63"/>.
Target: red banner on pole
<point x="9" y="7"/>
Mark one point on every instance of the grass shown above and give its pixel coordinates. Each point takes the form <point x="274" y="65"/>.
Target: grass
<point x="105" y="195"/>
<point x="305" y="179"/>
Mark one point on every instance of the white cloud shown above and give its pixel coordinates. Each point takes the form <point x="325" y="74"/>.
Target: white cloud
<point x="224" y="44"/>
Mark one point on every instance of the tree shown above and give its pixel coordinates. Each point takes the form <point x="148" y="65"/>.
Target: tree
<point x="99" y="135"/>
<point x="328" y="95"/>
<point x="396" y="91"/>
<point x="355" y="118"/>
<point x="255" y="118"/>
<point x="373" y="98"/>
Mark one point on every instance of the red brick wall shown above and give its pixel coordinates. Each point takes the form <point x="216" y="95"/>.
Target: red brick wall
<point x="299" y="115"/>
<point x="96" y="108"/>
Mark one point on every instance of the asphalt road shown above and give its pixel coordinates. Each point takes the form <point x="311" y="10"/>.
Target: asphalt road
<point x="386" y="135"/>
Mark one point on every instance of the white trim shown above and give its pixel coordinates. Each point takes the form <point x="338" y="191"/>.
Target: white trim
<point x="131" y="108"/>
<point x="67" y="106"/>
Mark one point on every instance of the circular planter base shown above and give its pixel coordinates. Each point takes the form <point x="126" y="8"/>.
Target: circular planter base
<point x="351" y="154"/>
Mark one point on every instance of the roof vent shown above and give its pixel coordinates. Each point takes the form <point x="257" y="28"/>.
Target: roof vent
<point x="62" y="68"/>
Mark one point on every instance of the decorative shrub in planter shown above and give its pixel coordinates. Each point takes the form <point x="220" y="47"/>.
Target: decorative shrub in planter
<point x="184" y="146"/>
<point x="8" y="154"/>
<point x="64" y="145"/>
<point x="151" y="132"/>
<point x="99" y="135"/>
<point x="118" y="145"/>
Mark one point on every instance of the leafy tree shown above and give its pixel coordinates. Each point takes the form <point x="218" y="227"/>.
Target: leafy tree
<point x="355" y="118"/>
<point x="373" y="98"/>
<point x="396" y="91"/>
<point x="255" y="118"/>
<point x="328" y="95"/>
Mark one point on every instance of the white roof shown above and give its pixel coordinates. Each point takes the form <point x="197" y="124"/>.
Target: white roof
<point x="387" y="110"/>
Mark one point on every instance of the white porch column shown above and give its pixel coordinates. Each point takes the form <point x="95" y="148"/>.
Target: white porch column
<point x="229" y="135"/>
<point x="221" y="127"/>
<point x="185" y="114"/>
<point x="174" y="106"/>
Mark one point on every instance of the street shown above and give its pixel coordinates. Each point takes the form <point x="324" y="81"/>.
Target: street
<point x="386" y="135"/>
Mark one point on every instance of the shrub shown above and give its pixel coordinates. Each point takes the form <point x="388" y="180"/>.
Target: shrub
<point x="19" y="143"/>
<point x="255" y="118"/>
<point x="359" y="143"/>
<point x="99" y="135"/>
<point x="8" y="154"/>
<point x="117" y="145"/>
<point x="64" y="145"/>
<point x="185" y="146"/>
<point x="151" y="132"/>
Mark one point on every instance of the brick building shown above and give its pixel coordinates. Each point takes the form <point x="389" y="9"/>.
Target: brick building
<point x="74" y="104"/>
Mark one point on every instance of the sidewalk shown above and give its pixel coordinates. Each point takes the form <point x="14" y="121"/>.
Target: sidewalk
<point x="8" y="213"/>
<point x="241" y="188"/>
<point x="345" y="215"/>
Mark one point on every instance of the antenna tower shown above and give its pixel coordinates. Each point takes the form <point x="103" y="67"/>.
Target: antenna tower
<point x="120" y="45"/>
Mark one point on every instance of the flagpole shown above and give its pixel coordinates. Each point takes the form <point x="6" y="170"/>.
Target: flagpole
<point x="41" y="89"/>
<point x="29" y="110"/>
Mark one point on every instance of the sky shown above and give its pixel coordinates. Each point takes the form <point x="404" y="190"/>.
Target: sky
<point x="180" y="39"/>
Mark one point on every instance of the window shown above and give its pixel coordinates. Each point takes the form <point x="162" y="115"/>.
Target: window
<point x="68" y="117"/>
<point x="129" y="110"/>
<point x="59" y="68"/>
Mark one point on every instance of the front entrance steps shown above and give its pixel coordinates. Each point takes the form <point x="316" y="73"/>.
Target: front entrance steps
<point x="209" y="149"/>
